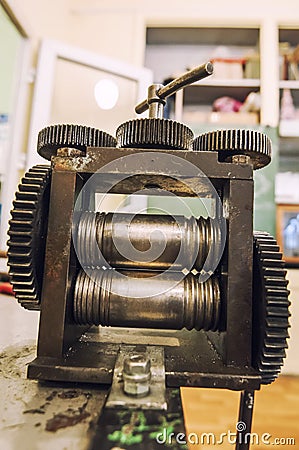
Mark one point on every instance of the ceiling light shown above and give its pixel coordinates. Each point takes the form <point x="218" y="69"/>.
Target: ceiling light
<point x="106" y="93"/>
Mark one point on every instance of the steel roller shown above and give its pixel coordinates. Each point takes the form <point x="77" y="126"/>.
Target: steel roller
<point x="132" y="299"/>
<point x="146" y="241"/>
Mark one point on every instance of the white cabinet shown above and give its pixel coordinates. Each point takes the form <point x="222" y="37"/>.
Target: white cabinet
<point x="289" y="82"/>
<point x="235" y="54"/>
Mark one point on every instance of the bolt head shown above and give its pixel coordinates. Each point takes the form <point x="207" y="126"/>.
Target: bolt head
<point x="137" y="365"/>
<point x="69" y="152"/>
<point x="240" y="159"/>
<point x="137" y="375"/>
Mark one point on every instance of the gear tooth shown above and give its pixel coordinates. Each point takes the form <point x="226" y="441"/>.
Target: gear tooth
<point x="230" y="142"/>
<point x="269" y="247"/>
<point x="277" y="322"/>
<point x="278" y="333"/>
<point x="18" y="264"/>
<point x="269" y="369"/>
<point x="272" y="306"/>
<point x="275" y="283"/>
<point x="277" y="311"/>
<point x="23" y="287"/>
<point x="154" y="133"/>
<point x="276" y="292"/>
<point x="32" y="183"/>
<point x="274" y="353"/>
<point x="275" y="272"/>
<point x="19" y="253"/>
<point x="22" y="213"/>
<point x="271" y="342"/>
<point x="20" y="274"/>
<point x="279" y="302"/>
<point x="24" y="236"/>
<point x="269" y="254"/>
<point x="19" y="245"/>
<point x="271" y="362"/>
<point x="16" y="234"/>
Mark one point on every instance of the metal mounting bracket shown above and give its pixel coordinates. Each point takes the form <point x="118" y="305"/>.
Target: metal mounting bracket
<point x="156" y="398"/>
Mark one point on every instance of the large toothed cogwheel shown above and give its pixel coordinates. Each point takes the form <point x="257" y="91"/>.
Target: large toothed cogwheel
<point x="27" y="236"/>
<point x="252" y="143"/>
<point x="154" y="133"/>
<point x="79" y="137"/>
<point x="270" y="307"/>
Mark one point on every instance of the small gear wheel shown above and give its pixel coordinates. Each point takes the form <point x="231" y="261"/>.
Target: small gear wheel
<point x="154" y="133"/>
<point x="270" y="307"/>
<point x="27" y="236"/>
<point x="232" y="142"/>
<point x="51" y="138"/>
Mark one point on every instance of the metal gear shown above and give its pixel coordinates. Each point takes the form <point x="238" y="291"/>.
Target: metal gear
<point x="51" y="138"/>
<point x="232" y="142"/>
<point x="270" y="307"/>
<point x="27" y="233"/>
<point x="154" y="133"/>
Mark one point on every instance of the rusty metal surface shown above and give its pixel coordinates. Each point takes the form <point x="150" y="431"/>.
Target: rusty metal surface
<point x="57" y="330"/>
<point x="193" y="361"/>
<point x="43" y="415"/>
<point x="97" y="157"/>
<point x="196" y="361"/>
<point x="237" y="272"/>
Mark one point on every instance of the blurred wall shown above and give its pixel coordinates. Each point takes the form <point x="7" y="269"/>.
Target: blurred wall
<point x="116" y="28"/>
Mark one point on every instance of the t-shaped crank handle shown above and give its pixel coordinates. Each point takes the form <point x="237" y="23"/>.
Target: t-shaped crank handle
<point x="157" y="93"/>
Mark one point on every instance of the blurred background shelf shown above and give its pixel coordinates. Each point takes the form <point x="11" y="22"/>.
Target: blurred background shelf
<point x="234" y="52"/>
<point x="238" y="82"/>
<point x="289" y="84"/>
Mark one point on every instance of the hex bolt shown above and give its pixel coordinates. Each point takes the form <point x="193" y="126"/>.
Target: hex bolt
<point x="240" y="159"/>
<point x="69" y="152"/>
<point x="137" y="375"/>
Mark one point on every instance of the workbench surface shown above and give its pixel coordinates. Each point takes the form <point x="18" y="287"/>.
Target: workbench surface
<point x="36" y="416"/>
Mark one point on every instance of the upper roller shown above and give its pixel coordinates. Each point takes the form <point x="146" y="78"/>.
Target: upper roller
<point x="230" y="142"/>
<point x="79" y="137"/>
<point x="131" y="241"/>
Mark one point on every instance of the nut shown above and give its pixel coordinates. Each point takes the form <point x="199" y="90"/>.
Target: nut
<point x="240" y="159"/>
<point x="137" y="375"/>
<point x="69" y="152"/>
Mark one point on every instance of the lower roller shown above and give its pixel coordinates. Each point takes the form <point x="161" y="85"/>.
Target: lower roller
<point x="130" y="299"/>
